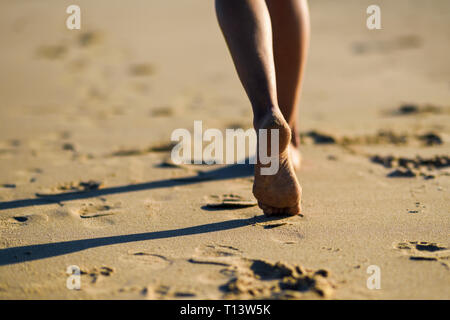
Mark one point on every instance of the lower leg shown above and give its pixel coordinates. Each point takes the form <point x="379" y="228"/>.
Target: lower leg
<point x="247" y="30"/>
<point x="290" y="27"/>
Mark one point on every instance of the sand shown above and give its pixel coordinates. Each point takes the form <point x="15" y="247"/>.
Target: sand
<point x="85" y="124"/>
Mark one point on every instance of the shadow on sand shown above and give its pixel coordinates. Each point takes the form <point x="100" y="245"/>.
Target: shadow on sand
<point x="47" y="250"/>
<point x="222" y="173"/>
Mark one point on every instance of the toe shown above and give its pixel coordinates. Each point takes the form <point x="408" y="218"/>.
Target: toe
<point x="275" y="211"/>
<point x="293" y="211"/>
<point x="266" y="209"/>
<point x="271" y="211"/>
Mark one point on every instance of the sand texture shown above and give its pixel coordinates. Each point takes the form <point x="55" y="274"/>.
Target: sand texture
<point x="86" y="177"/>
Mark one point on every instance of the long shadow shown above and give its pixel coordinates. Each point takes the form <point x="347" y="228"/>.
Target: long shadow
<point x="41" y="251"/>
<point x="222" y="173"/>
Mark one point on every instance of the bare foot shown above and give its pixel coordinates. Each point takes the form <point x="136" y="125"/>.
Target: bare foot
<point x="279" y="193"/>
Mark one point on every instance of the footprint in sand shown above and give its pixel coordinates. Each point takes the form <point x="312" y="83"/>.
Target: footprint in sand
<point x="222" y="255"/>
<point x="147" y="259"/>
<point x="218" y="255"/>
<point x="219" y="250"/>
<point x="129" y="152"/>
<point x="21" y="218"/>
<point x="80" y="186"/>
<point x="425" y="251"/>
<point x="160" y="292"/>
<point x="259" y="279"/>
<point x="229" y="202"/>
<point x="96" y="215"/>
<point x="89" y="210"/>
<point x="18" y="221"/>
<point x="283" y="232"/>
<point x="274" y="225"/>
<point x="413" y="167"/>
<point x="420" y="246"/>
<point x="96" y="274"/>
<point x="415" y="109"/>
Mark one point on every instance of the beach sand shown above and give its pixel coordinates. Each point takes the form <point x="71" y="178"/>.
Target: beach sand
<point x="85" y="123"/>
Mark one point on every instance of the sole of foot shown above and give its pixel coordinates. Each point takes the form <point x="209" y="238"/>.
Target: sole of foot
<point x="279" y="193"/>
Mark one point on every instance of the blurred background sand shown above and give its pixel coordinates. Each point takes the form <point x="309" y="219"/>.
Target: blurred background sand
<point x="92" y="111"/>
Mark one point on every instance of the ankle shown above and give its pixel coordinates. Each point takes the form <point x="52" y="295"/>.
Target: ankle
<point x="263" y="115"/>
<point x="274" y="119"/>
